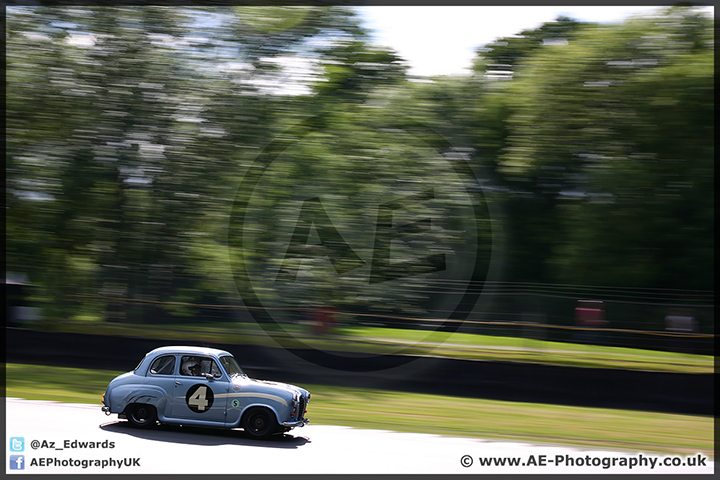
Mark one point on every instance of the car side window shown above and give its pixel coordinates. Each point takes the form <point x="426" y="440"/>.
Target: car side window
<point x="138" y="365"/>
<point x="197" y="366"/>
<point x="163" y="365"/>
<point x="208" y="365"/>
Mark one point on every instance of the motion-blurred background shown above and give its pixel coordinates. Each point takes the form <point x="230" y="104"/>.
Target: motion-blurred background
<point x="130" y="130"/>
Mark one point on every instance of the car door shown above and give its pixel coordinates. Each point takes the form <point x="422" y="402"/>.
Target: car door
<point x="162" y="373"/>
<point x="196" y="396"/>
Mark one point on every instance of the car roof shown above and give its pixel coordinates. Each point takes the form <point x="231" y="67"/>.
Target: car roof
<point x="182" y="349"/>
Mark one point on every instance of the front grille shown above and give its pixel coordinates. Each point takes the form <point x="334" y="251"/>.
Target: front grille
<point x="301" y="408"/>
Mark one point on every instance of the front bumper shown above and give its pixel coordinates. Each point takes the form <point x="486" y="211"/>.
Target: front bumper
<point x="296" y="423"/>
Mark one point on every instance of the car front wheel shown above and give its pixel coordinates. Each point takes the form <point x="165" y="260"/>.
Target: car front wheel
<point x="260" y="423"/>
<point x="141" y="415"/>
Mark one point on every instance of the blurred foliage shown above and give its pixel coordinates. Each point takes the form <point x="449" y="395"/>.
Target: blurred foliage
<point x="130" y="129"/>
<point x="610" y="139"/>
<point x="504" y="55"/>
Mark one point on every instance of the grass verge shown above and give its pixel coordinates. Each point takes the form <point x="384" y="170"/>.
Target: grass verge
<point x="625" y="430"/>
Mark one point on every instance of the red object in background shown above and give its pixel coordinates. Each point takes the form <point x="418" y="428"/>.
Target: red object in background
<point x="323" y="318"/>
<point x="590" y="313"/>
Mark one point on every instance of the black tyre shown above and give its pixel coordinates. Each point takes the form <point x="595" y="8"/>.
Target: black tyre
<point x="260" y="423"/>
<point x="141" y="415"/>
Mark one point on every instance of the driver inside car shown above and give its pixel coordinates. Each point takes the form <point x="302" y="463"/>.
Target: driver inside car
<point x="191" y="367"/>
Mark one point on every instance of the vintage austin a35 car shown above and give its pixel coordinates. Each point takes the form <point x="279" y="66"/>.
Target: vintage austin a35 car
<point x="203" y="387"/>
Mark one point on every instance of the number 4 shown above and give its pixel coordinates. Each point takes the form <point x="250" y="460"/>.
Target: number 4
<point x="198" y="400"/>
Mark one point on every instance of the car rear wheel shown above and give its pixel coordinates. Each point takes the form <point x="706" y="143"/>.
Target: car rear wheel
<point x="141" y="415"/>
<point x="260" y="423"/>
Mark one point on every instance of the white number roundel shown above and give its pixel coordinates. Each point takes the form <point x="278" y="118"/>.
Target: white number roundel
<point x="199" y="398"/>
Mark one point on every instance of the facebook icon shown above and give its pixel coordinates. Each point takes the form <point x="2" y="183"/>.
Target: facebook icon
<point x="17" y="462"/>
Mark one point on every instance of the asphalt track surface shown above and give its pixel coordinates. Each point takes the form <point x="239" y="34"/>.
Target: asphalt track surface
<point x="45" y="427"/>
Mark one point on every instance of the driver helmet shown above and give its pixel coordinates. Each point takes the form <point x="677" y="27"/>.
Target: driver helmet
<point x="190" y="367"/>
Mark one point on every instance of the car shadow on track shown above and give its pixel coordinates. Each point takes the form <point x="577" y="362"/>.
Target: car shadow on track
<point x="191" y="435"/>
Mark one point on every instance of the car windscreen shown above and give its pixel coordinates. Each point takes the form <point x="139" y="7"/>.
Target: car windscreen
<point x="231" y="366"/>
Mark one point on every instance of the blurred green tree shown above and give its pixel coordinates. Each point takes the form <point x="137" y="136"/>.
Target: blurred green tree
<point x="127" y="131"/>
<point x="356" y="206"/>
<point x="504" y="55"/>
<point x="610" y="139"/>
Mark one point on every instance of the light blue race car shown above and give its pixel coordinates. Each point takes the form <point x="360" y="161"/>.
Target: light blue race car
<point x="203" y="387"/>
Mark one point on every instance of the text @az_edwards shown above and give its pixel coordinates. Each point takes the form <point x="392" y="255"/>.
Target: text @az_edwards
<point x="70" y="444"/>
